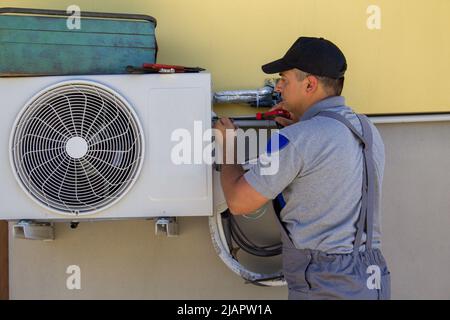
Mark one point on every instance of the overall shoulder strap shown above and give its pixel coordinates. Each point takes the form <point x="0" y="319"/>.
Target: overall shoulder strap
<point x="365" y="221"/>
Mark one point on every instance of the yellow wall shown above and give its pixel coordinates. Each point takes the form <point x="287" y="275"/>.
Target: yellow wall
<point x="404" y="67"/>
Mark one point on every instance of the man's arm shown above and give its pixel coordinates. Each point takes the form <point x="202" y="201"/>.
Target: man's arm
<point x="247" y="193"/>
<point x="241" y="197"/>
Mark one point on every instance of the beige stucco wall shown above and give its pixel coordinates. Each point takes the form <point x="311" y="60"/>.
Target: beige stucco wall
<point x="124" y="259"/>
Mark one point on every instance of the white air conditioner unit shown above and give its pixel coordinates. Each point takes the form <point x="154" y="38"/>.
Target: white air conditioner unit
<point x="99" y="147"/>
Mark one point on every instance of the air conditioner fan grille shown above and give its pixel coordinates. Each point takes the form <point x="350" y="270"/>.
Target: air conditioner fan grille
<point x="77" y="148"/>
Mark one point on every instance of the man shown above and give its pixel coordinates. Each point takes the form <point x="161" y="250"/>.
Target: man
<point x="328" y="184"/>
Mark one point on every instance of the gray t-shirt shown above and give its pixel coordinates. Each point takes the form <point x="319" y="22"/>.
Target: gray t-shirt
<point x="320" y="178"/>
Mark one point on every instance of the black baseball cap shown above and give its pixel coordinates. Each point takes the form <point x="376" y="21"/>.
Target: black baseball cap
<point x="316" y="56"/>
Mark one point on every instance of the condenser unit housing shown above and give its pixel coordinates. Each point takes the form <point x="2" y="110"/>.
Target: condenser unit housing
<point x="101" y="147"/>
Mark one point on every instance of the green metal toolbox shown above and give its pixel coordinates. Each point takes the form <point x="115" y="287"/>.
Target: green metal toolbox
<point x="40" y="42"/>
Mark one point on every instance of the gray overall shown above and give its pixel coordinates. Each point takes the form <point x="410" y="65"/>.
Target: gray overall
<point x="363" y="275"/>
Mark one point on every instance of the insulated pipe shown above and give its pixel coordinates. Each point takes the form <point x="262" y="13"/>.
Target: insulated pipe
<point x="262" y="97"/>
<point x="222" y="249"/>
<point x="220" y="243"/>
<point x="243" y="95"/>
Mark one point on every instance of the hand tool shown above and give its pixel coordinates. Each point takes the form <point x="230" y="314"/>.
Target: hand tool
<point x="161" y="68"/>
<point x="171" y="68"/>
<point x="137" y="70"/>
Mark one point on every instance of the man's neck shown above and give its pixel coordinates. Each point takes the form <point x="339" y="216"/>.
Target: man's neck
<point x="309" y="105"/>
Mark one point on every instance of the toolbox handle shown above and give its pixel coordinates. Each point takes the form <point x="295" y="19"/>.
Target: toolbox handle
<point x="83" y="14"/>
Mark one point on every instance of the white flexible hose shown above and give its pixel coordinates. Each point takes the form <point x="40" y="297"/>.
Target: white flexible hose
<point x="221" y="246"/>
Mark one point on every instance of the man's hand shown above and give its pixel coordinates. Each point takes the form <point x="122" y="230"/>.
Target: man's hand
<point x="283" y="121"/>
<point x="228" y="148"/>
<point x="224" y="124"/>
<point x="241" y="197"/>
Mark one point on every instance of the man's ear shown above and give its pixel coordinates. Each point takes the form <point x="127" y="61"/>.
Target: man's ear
<point x="312" y="84"/>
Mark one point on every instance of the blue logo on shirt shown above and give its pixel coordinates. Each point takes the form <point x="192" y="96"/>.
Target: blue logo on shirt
<point x="276" y="143"/>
